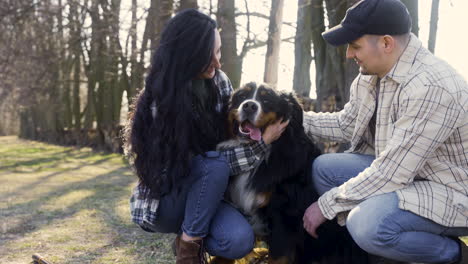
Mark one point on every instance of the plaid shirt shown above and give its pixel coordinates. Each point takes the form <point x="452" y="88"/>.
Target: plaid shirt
<point x="421" y="139"/>
<point x="240" y="159"/>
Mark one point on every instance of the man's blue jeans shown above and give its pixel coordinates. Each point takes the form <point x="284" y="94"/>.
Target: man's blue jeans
<point x="378" y="226"/>
<point x="198" y="210"/>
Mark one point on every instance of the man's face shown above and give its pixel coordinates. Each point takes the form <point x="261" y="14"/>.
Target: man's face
<point x="368" y="54"/>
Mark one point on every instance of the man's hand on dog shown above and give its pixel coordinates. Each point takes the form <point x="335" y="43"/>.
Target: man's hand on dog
<point x="313" y="218"/>
<point x="274" y="131"/>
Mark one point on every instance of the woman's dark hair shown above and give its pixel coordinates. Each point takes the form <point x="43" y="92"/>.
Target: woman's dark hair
<point x="163" y="132"/>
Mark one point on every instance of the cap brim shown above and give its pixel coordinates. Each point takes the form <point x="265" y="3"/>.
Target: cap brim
<point x="339" y="35"/>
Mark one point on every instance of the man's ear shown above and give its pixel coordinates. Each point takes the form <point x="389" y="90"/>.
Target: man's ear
<point x="388" y="43"/>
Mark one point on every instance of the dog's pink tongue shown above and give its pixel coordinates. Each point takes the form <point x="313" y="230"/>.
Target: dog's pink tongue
<point x="255" y="133"/>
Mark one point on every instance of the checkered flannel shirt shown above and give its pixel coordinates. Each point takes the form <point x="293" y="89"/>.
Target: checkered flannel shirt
<point x="240" y="159"/>
<point x="421" y="139"/>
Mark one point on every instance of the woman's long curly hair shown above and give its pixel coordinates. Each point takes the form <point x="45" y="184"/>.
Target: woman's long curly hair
<point x="165" y="129"/>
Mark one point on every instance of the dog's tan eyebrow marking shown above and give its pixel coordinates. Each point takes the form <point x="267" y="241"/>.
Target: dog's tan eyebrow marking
<point x="248" y="88"/>
<point x="267" y="118"/>
<point x="263" y="92"/>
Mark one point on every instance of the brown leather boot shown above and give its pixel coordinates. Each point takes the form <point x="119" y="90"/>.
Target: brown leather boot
<point x="189" y="252"/>
<point x="221" y="260"/>
<point x="463" y="252"/>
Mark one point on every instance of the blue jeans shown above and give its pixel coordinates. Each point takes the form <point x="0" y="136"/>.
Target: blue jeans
<point x="198" y="210"/>
<point x="378" y="226"/>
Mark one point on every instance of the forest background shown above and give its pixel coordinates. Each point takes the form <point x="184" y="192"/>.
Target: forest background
<point x="68" y="68"/>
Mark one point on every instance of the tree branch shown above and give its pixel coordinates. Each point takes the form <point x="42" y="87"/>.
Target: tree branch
<point x="260" y="15"/>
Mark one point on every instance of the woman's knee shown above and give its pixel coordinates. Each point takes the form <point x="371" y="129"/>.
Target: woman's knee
<point x="235" y="244"/>
<point x="242" y="243"/>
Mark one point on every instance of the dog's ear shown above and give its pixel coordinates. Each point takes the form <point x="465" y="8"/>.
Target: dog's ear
<point x="294" y="107"/>
<point x="251" y="85"/>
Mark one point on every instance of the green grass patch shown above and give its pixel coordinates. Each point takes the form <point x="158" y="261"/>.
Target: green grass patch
<point x="70" y="205"/>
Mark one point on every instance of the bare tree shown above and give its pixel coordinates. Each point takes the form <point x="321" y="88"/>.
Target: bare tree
<point x="135" y="66"/>
<point x="183" y="4"/>
<point x="433" y="28"/>
<point x="333" y="73"/>
<point x="412" y="6"/>
<point x="163" y="14"/>
<point x="159" y="12"/>
<point x="302" y="47"/>
<point x="232" y="57"/>
<point x="75" y="45"/>
<point x="231" y="62"/>
<point x="273" y="42"/>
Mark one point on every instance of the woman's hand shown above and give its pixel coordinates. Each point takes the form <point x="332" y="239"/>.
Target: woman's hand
<point x="274" y="131"/>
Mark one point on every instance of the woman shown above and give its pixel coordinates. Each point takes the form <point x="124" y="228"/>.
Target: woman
<point x="177" y="121"/>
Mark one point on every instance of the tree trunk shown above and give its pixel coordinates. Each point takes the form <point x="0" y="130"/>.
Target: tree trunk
<point x="64" y="110"/>
<point x="134" y="71"/>
<point x="330" y="62"/>
<point x="302" y="47"/>
<point x="94" y="68"/>
<point x="163" y="14"/>
<point x="184" y="4"/>
<point x="151" y="21"/>
<point x="75" y="46"/>
<point x="412" y="6"/>
<point x="433" y="28"/>
<point x="322" y="84"/>
<point x="273" y="42"/>
<point x="76" y="93"/>
<point x="231" y="62"/>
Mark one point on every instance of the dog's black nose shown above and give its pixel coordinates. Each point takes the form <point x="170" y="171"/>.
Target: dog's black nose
<point x="250" y="107"/>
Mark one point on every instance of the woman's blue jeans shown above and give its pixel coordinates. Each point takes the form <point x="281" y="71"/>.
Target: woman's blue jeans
<point x="198" y="210"/>
<point x="378" y="226"/>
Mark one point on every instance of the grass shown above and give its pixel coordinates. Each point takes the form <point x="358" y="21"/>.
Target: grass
<point x="70" y="205"/>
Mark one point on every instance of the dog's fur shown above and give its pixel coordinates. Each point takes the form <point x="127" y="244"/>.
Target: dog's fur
<point x="275" y="195"/>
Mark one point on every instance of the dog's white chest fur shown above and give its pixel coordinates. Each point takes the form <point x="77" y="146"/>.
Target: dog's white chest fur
<point x="239" y="193"/>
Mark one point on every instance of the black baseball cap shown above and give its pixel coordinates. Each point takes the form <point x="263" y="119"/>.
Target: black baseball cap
<point x="374" y="17"/>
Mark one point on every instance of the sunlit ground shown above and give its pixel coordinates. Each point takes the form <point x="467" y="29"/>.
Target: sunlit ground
<point x="70" y="205"/>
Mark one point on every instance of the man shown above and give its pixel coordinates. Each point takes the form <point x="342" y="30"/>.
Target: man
<point x="402" y="188"/>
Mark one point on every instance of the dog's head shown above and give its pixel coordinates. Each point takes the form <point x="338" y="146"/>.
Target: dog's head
<point x="253" y="107"/>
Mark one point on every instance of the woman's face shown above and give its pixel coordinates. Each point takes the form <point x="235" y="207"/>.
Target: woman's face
<point x="214" y="64"/>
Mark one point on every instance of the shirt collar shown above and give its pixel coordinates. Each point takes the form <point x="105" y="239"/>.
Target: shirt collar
<point x="401" y="69"/>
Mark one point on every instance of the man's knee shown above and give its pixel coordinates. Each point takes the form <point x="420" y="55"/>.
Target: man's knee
<point x="323" y="163"/>
<point x="321" y="176"/>
<point x="372" y="228"/>
<point x="363" y="231"/>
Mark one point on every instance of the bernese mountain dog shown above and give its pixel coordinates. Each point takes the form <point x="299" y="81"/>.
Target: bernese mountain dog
<point x="275" y="195"/>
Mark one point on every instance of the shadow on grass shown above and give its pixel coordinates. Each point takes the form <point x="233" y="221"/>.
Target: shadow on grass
<point x="36" y="162"/>
<point x="18" y="191"/>
<point x="108" y="190"/>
